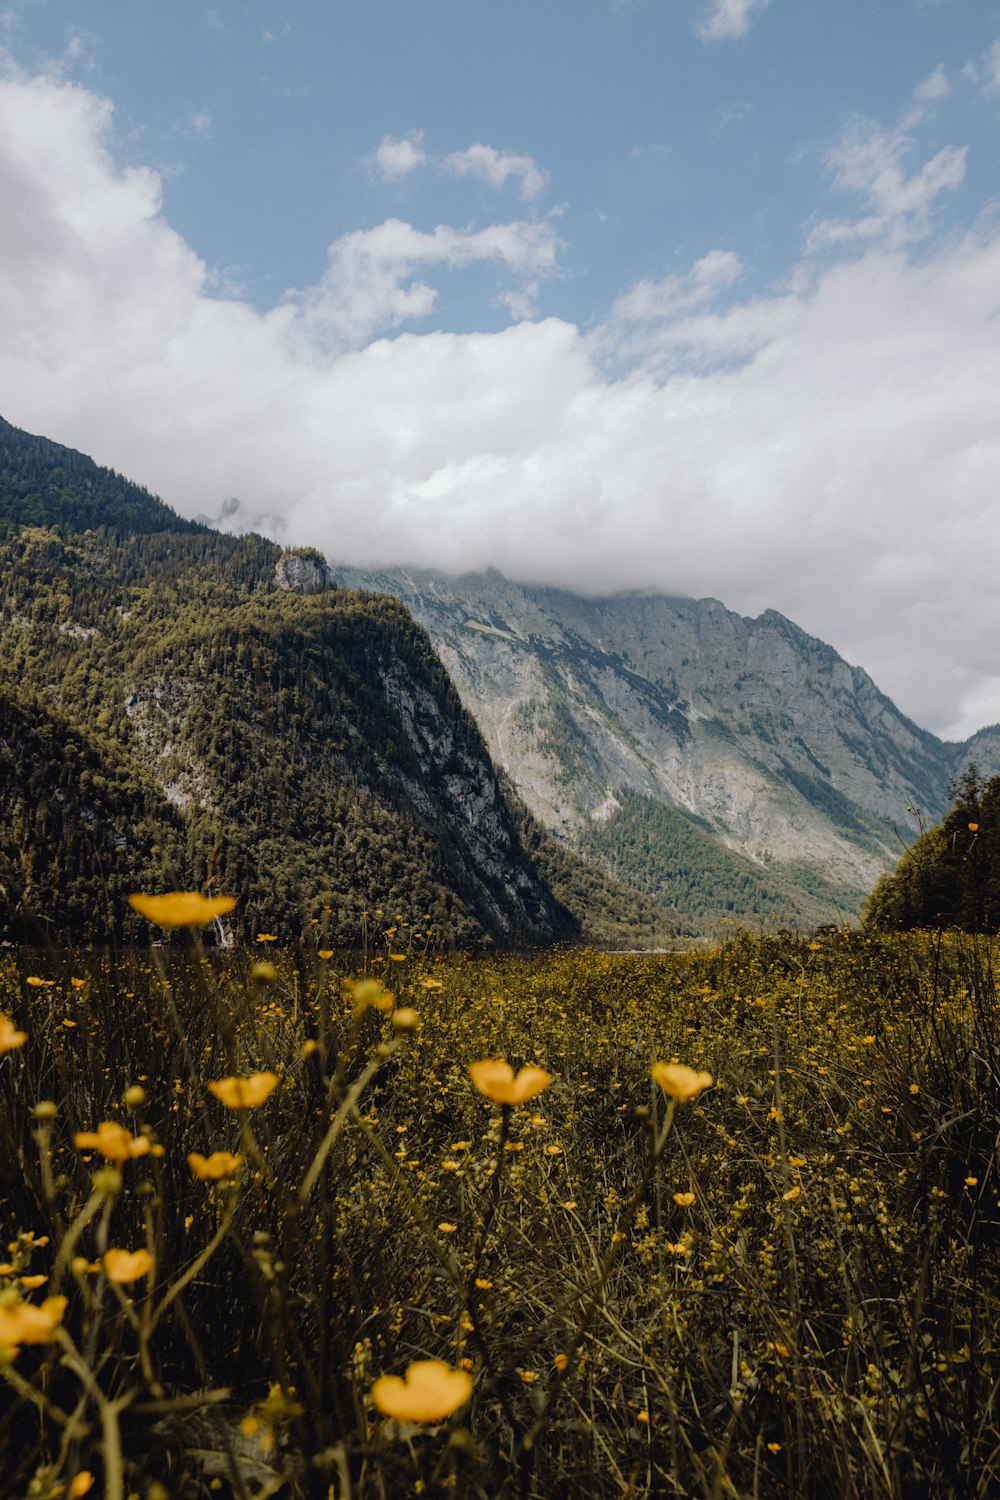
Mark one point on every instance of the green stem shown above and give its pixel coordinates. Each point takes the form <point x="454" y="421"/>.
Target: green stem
<point x="348" y="1107"/>
<point x="196" y="1266"/>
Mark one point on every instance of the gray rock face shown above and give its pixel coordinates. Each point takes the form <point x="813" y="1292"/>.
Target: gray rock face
<point x="304" y="572"/>
<point x="788" y="755"/>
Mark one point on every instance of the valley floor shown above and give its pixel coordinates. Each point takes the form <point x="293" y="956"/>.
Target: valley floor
<point x="730" y="1225"/>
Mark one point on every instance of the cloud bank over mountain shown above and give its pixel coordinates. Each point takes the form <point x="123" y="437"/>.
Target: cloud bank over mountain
<point x="828" y="447"/>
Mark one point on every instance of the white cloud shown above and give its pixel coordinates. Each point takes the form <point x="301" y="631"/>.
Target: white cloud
<point x="830" y="451"/>
<point x="729" y="18"/>
<point x="991" y="63"/>
<point x="713" y="273"/>
<point x="935" y="85"/>
<point x="367" y="287"/>
<point x="200" y="122"/>
<point x="396" y="156"/>
<point x="495" y="167"/>
<point x="869" y="163"/>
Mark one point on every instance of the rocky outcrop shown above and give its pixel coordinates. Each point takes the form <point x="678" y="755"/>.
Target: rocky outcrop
<point x="304" y="571"/>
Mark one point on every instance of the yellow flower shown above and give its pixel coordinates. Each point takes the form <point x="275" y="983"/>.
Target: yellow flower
<point x="406" y="1019"/>
<point x="244" y="1093"/>
<point x="267" y="937"/>
<point x="10" y="1037"/>
<point x="124" y="1266"/>
<point x="428" y="1392"/>
<point x="182" y="908"/>
<point x="368" y="992"/>
<point x="24" y="1323"/>
<point x="973" y="827"/>
<point x="212" y="1168"/>
<point x="113" y="1141"/>
<point x="680" y="1082"/>
<point x="684" y="1200"/>
<point x="81" y="1485"/>
<point x="38" y="984"/>
<point x="496" y="1080"/>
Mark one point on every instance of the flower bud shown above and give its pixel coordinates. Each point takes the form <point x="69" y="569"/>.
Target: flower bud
<point x="108" y="1182"/>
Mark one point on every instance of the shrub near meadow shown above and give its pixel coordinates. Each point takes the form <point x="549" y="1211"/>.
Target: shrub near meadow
<point x="577" y="1224"/>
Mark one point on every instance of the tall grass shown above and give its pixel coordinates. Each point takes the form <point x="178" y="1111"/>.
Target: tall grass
<point x="786" y="1286"/>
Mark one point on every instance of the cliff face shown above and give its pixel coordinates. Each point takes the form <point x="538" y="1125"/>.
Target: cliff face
<point x="758" y="737"/>
<point x="304" y="572"/>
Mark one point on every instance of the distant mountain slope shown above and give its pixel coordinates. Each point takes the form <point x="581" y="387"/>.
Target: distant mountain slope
<point x="726" y="766"/>
<point x="44" y="484"/>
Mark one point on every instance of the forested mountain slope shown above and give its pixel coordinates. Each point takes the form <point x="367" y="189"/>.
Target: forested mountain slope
<point x="169" y="716"/>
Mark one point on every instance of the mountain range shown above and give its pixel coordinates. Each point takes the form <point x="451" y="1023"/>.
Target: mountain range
<point x="725" y="767"/>
<point x="408" y="753"/>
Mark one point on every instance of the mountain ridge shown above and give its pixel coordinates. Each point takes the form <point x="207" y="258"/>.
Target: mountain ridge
<point x="790" y="757"/>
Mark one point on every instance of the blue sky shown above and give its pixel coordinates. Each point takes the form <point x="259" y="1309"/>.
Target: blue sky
<point x="698" y="295"/>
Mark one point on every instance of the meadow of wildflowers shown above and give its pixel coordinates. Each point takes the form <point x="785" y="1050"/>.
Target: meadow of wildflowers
<point x="317" y="1224"/>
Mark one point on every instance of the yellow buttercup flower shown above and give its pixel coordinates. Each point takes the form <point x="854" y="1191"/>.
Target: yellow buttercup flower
<point x="684" y="1200"/>
<point x="244" y="1093"/>
<point x="182" y="908"/>
<point x="428" y="1392"/>
<point x="10" y="1037"/>
<point x="680" y="1082"/>
<point x="369" y="992"/>
<point x="496" y="1080"/>
<point x="125" y="1266"/>
<point x="24" y="1323"/>
<point x="113" y="1141"/>
<point x="212" y="1168"/>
